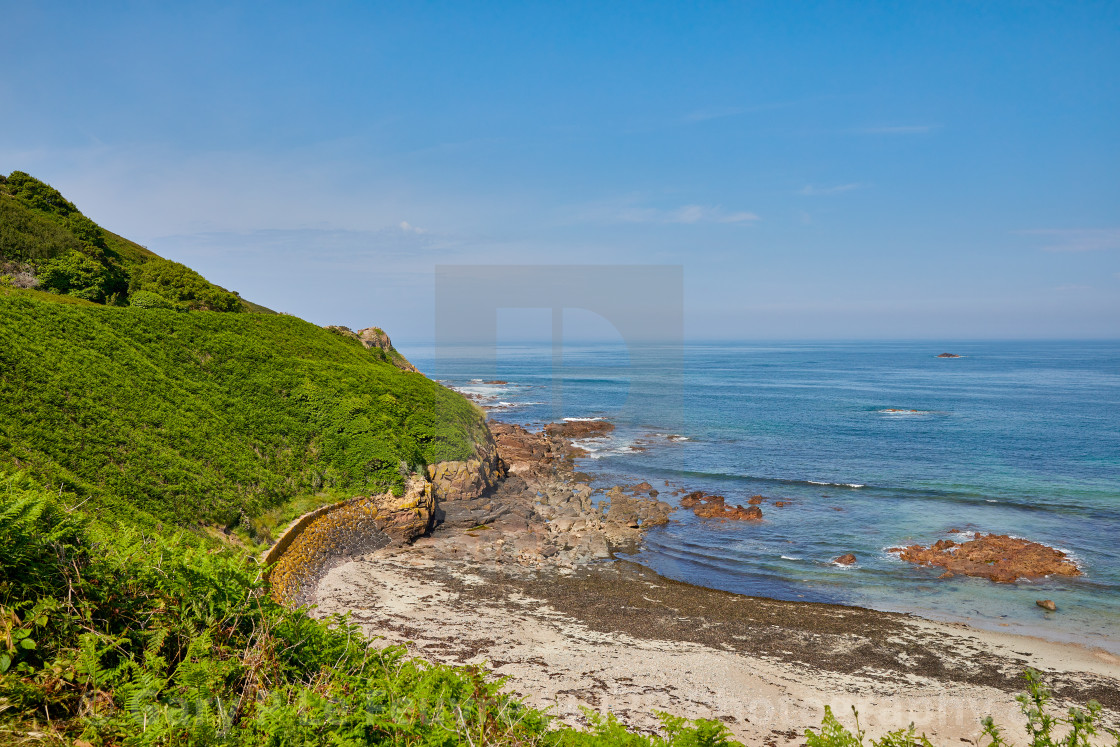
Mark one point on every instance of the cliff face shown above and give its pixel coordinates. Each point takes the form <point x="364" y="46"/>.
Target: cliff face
<point x="464" y="480"/>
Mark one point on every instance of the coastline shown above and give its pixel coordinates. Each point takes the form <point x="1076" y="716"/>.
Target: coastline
<point x="616" y="636"/>
<point x="532" y="579"/>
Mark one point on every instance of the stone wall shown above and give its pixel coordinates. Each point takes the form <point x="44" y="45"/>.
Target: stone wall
<point x="344" y="530"/>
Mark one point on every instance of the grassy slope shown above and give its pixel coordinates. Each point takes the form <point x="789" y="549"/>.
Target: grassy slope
<point x="208" y="416"/>
<point x="39" y="227"/>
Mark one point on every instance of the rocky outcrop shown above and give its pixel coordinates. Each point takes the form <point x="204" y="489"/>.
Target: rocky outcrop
<point x="997" y="557"/>
<point x="948" y="355"/>
<point x="524" y="453"/>
<point x="580" y="428"/>
<point x="472" y="478"/>
<point x="715" y="507"/>
<point x="343" y="530"/>
<point x="846" y="559"/>
<point x="375" y="337"/>
<point x="458" y="481"/>
<point x="633" y="512"/>
<point x="542" y="511"/>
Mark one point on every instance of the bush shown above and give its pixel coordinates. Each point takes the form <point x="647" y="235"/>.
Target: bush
<point x="147" y="300"/>
<point x="38" y="195"/>
<point x="180" y="284"/>
<point x="76" y="274"/>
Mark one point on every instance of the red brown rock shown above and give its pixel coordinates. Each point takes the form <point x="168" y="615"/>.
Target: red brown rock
<point x="997" y="557"/>
<point x="523" y="451"/>
<point x="847" y="559"/>
<point x="1047" y="605"/>
<point x="755" y="500"/>
<point x="579" y="428"/>
<point x="692" y="499"/>
<point x="715" y="507"/>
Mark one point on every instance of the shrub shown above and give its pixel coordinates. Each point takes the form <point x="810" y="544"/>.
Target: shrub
<point x="38" y="195"/>
<point x="148" y="300"/>
<point x="182" y="285"/>
<point x="78" y="275"/>
<point x="86" y="230"/>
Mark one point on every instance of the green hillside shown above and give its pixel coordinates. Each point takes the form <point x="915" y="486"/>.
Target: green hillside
<point x="46" y="243"/>
<point x="208" y="416"/>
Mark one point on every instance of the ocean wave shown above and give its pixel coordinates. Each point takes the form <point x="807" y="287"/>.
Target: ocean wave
<point x="855" y="485"/>
<point x="598" y="447"/>
<point x="900" y="412"/>
<point x="582" y="420"/>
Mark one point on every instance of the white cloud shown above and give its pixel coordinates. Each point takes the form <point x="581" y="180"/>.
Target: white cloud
<point x="899" y="129"/>
<point x="409" y="228"/>
<point x="1077" y="239"/>
<point x="811" y="190"/>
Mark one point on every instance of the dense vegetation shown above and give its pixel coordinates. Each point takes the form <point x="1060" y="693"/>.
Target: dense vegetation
<point x="122" y="637"/>
<point x="206" y="416"/>
<point x="46" y="242"/>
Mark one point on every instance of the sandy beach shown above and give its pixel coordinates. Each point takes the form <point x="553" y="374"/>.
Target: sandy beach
<point x="530" y="578"/>
<point x="615" y="636"/>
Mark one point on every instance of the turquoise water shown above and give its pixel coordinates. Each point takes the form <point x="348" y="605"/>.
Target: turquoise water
<point x="1015" y="438"/>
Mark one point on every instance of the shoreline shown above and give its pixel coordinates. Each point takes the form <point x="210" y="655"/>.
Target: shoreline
<point x="617" y="636"/>
<point x="531" y="577"/>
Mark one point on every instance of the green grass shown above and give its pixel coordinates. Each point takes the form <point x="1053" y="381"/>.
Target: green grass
<point x="210" y="417"/>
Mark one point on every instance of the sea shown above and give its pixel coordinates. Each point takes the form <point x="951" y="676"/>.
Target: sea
<point x="872" y="444"/>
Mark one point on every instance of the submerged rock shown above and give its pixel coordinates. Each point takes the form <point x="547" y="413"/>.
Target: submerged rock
<point x="1047" y="605"/>
<point x="846" y="559"/>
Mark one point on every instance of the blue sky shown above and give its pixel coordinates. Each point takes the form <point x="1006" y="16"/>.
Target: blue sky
<point x="820" y="170"/>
